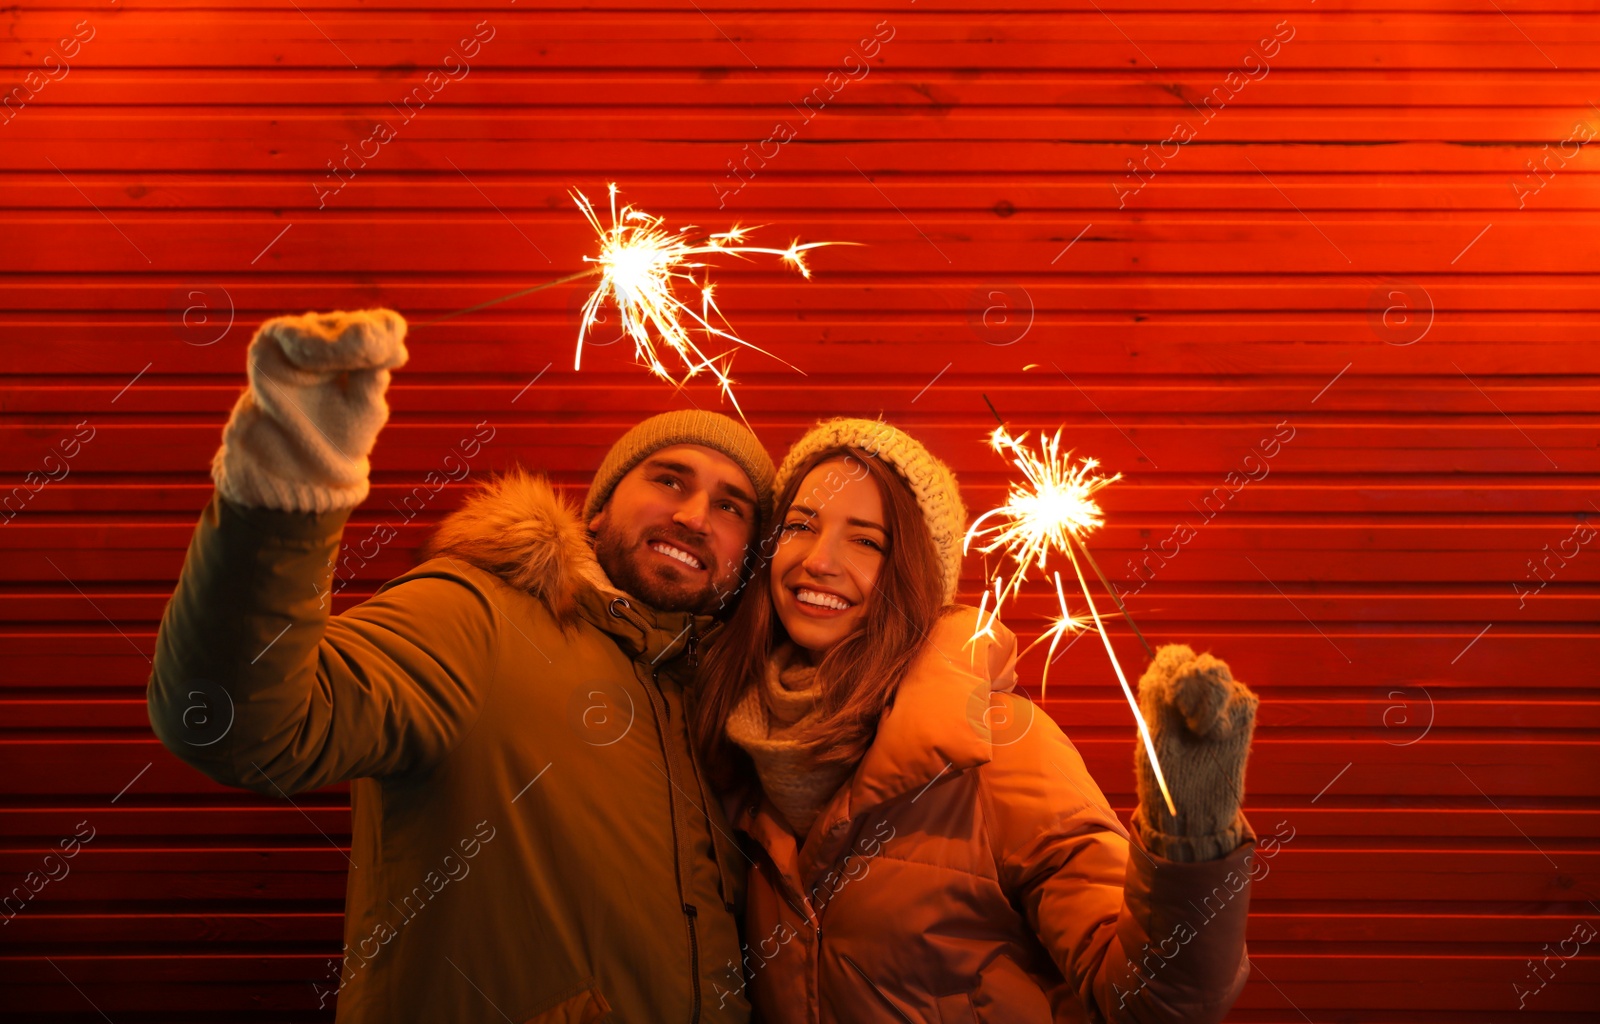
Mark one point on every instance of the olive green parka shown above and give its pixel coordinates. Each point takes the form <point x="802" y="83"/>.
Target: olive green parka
<point x="531" y="840"/>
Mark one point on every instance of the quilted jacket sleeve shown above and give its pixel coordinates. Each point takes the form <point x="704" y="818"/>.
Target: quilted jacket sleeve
<point x="256" y="686"/>
<point x="1137" y="938"/>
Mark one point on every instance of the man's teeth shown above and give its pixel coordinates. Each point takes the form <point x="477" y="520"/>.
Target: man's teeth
<point x="819" y="598"/>
<point x="678" y="553"/>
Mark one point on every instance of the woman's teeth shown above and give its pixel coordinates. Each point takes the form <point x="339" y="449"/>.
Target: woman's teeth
<point x="678" y="553"/>
<point x="823" y="600"/>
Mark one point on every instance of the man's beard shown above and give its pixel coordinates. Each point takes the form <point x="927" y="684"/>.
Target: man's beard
<point x="627" y="561"/>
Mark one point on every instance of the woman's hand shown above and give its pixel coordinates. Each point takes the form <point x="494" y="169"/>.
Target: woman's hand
<point x="1201" y="720"/>
<point x="299" y="435"/>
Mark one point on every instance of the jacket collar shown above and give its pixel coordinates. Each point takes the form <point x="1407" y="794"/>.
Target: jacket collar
<point x="939" y="721"/>
<point x="940" y="724"/>
<point x="645" y="633"/>
<point x="517" y="527"/>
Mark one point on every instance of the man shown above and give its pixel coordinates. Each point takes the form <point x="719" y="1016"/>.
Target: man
<point x="531" y="838"/>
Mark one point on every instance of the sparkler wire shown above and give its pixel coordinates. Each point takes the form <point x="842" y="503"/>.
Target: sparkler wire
<point x="515" y="295"/>
<point x="1144" y="730"/>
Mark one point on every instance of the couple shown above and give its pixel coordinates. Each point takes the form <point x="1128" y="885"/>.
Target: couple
<point x="716" y="749"/>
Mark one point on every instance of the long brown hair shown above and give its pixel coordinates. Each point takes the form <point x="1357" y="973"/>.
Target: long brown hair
<point x="858" y="675"/>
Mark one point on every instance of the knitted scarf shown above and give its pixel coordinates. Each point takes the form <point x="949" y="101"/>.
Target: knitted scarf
<point x="784" y="758"/>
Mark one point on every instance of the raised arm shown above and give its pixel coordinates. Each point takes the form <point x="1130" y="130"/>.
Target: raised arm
<point x="1147" y="928"/>
<point x="253" y="683"/>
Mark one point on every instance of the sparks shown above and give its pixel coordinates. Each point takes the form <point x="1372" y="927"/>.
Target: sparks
<point x="1063" y="625"/>
<point x="1052" y="511"/>
<point x="1042" y="515"/>
<point x="642" y="266"/>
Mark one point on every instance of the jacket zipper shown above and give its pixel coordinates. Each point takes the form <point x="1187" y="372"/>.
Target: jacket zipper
<point x="816" y="932"/>
<point x="724" y="886"/>
<point x="874" y="985"/>
<point x="658" y="704"/>
<point x="690" y="913"/>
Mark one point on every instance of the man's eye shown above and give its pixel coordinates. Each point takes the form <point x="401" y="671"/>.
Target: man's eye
<point x="670" y="481"/>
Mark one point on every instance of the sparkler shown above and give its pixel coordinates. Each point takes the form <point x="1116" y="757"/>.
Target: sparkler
<point x="1053" y="511"/>
<point x="642" y="267"/>
<point x="640" y="263"/>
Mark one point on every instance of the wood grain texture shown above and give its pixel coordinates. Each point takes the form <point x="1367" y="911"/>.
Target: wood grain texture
<point x="1165" y="228"/>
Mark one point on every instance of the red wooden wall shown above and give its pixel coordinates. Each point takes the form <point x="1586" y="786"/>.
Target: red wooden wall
<point x="1372" y="223"/>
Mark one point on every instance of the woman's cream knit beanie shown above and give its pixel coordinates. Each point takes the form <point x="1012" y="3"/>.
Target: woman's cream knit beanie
<point x="931" y="481"/>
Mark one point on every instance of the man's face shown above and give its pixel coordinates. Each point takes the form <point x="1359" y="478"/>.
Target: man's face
<point x="675" y="530"/>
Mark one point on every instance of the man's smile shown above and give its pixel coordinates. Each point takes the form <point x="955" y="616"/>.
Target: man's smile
<point x="677" y="554"/>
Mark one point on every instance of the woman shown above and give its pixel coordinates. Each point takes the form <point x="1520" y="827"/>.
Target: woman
<point x="925" y="846"/>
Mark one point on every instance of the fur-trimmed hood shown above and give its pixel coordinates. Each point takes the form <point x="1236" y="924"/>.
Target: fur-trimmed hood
<point x="517" y="527"/>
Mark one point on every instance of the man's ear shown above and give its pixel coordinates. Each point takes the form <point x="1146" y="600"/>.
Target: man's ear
<point x="597" y="521"/>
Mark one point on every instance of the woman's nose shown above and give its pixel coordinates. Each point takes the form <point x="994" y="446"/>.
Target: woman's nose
<point x="822" y="560"/>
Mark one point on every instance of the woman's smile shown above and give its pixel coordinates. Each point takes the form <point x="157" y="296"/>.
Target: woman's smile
<point x="820" y="601"/>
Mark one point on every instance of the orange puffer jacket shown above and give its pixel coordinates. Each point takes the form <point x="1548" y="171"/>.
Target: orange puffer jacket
<point x="971" y="870"/>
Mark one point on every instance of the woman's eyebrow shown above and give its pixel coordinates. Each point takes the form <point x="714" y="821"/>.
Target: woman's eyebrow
<point x="853" y="521"/>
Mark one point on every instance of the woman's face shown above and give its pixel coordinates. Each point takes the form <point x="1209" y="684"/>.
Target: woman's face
<point x="829" y="556"/>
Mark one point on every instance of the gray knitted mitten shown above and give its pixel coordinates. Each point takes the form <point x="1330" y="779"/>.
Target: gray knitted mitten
<point x="1201" y="720"/>
<point x="299" y="436"/>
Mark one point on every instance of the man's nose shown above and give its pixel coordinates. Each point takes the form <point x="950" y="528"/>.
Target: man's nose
<point x="692" y="512"/>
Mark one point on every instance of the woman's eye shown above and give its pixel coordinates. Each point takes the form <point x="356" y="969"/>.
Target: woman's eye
<point x="874" y="545"/>
<point x="788" y="527"/>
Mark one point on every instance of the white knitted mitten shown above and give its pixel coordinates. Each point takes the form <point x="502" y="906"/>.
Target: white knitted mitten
<point x="299" y="435"/>
<point x="1201" y="720"/>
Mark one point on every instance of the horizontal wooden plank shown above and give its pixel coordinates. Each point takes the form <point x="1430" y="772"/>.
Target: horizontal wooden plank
<point x="1150" y="499"/>
<point x="277" y="983"/>
<point x="589" y="163"/>
<point x="1337" y="241"/>
<point x="1394" y="712"/>
<point x="1443" y="766"/>
<point x="1000" y="191"/>
<point x="1469" y="300"/>
<point x="885" y="111"/>
<point x="1049" y="6"/>
<point x="240" y="818"/>
<point x="1534" y="444"/>
<point x="1344" y="619"/>
<point x="1311" y="349"/>
<point x="1297" y="872"/>
<point x="93" y="661"/>
<point x="1497" y="582"/>
<point x="1074" y="38"/>
<point x="1274" y="928"/>
<point x="1160" y="509"/>
<point x="227" y="309"/>
<point x="1271" y="929"/>
<point x="1053" y="396"/>
<point x="765" y="95"/>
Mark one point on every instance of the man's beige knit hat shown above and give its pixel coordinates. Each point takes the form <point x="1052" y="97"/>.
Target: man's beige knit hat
<point x="683" y="426"/>
<point x="931" y="481"/>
